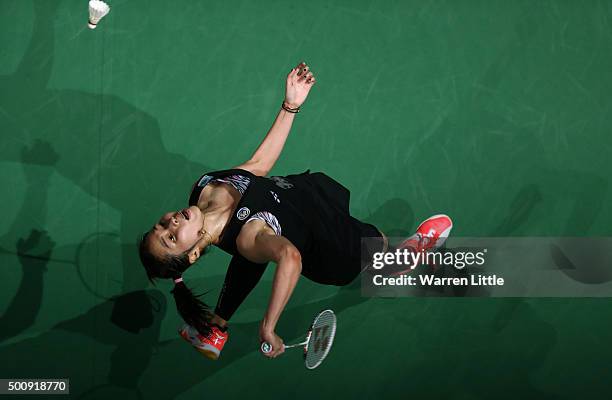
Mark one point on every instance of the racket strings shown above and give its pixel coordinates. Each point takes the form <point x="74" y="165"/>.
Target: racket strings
<point x="320" y="339"/>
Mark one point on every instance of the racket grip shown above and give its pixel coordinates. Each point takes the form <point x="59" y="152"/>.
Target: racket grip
<point x="266" y="347"/>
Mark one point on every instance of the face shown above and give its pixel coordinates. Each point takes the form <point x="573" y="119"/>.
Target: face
<point x="176" y="232"/>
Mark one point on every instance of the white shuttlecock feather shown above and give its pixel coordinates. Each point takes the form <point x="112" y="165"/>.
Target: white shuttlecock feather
<point x="97" y="10"/>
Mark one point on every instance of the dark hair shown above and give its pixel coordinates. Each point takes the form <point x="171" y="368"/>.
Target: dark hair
<point x="193" y="310"/>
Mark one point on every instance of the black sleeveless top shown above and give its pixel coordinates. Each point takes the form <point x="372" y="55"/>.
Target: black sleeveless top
<point x="313" y="210"/>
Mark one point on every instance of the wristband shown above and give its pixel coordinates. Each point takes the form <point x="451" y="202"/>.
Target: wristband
<point x="291" y="110"/>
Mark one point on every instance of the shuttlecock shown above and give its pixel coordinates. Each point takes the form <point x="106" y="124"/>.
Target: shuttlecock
<point x="97" y="10"/>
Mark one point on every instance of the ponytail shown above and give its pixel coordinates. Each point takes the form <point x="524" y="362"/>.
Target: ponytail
<point x="193" y="310"/>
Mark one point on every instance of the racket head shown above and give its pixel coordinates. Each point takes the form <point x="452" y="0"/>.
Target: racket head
<point x="320" y="339"/>
<point x="99" y="265"/>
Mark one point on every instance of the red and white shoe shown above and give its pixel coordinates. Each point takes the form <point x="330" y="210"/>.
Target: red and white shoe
<point x="430" y="235"/>
<point x="209" y="346"/>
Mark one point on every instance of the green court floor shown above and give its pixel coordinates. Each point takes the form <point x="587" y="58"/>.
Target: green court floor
<point x="497" y="113"/>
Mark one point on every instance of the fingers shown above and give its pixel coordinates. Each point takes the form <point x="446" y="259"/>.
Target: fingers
<point x="299" y="67"/>
<point x="304" y="73"/>
<point x="294" y="73"/>
<point x="307" y="77"/>
<point x="279" y="351"/>
<point x="301" y="73"/>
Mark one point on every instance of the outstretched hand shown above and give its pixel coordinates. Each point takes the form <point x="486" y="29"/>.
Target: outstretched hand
<point x="299" y="82"/>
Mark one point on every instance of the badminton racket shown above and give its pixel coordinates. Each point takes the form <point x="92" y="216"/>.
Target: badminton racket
<point x="97" y="262"/>
<point x="319" y="339"/>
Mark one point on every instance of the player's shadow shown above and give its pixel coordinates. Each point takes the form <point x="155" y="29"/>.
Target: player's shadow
<point x="107" y="147"/>
<point x="528" y="208"/>
<point x="521" y="207"/>
<point x="33" y="245"/>
<point x="588" y="261"/>
<point x="33" y="256"/>
<point x="120" y="355"/>
<point x="131" y="361"/>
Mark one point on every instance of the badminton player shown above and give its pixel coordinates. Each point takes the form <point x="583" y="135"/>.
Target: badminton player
<point x="300" y="222"/>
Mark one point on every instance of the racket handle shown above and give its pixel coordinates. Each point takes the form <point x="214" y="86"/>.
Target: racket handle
<point x="266" y="347"/>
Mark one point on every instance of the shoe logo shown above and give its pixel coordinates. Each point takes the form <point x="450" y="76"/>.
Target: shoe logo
<point x="243" y="213"/>
<point x="218" y="339"/>
<point x="431" y="233"/>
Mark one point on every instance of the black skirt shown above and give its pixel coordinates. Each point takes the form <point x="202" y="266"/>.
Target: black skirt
<point x="335" y="253"/>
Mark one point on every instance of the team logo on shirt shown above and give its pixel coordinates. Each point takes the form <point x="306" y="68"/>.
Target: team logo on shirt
<point x="243" y="213"/>
<point x="275" y="196"/>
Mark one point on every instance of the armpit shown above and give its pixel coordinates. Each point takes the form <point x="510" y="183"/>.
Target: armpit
<point x="269" y="219"/>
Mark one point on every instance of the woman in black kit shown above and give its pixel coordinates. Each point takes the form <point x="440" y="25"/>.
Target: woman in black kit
<point x="300" y="222"/>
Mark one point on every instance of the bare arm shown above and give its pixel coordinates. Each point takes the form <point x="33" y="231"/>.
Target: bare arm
<point x="299" y="82"/>
<point x="270" y="148"/>
<point x="258" y="243"/>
